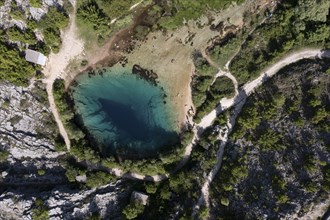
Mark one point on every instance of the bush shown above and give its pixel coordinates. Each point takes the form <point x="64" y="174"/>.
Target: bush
<point x="14" y="68"/>
<point x="224" y="201"/>
<point x="99" y="178"/>
<point x="289" y="28"/>
<point x="40" y="212"/>
<point x="133" y="210"/>
<point x="41" y="172"/>
<point x="35" y="3"/>
<point x="3" y="156"/>
<point x="51" y="24"/>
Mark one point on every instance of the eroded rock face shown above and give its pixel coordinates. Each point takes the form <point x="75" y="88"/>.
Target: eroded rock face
<point x="34" y="170"/>
<point x="6" y="20"/>
<point x="63" y="202"/>
<point x="26" y="125"/>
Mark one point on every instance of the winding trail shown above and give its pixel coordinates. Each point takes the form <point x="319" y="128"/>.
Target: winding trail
<point x="135" y="5"/>
<point x="238" y="102"/>
<point x="72" y="47"/>
<point x="264" y="75"/>
<point x="55" y="67"/>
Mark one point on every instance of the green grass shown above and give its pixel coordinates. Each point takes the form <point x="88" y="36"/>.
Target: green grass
<point x="17" y="14"/>
<point x="179" y="11"/>
<point x="94" y="18"/>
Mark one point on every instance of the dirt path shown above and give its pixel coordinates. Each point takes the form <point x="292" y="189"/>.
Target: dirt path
<point x="135" y="5"/>
<point x="71" y="47"/>
<point x="238" y="101"/>
<point x="317" y="211"/>
<point x="249" y="87"/>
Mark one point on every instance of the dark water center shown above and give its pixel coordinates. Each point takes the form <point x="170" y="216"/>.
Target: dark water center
<point x="124" y="113"/>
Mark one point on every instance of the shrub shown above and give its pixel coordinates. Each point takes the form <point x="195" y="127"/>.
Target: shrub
<point x="14" y="68"/>
<point x="133" y="210"/>
<point x="3" y="156"/>
<point x="40" y="212"/>
<point x="99" y="178"/>
<point x="35" y="3"/>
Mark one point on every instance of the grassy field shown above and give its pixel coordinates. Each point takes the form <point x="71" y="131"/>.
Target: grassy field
<point x="179" y="11"/>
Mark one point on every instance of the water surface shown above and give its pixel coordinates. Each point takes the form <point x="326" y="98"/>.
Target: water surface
<point x="124" y="113"/>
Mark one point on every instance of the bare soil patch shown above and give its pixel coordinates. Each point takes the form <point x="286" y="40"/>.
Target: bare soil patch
<point x="168" y="54"/>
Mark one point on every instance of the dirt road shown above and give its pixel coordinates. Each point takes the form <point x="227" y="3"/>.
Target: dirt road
<point x="238" y="102"/>
<point x="55" y="67"/>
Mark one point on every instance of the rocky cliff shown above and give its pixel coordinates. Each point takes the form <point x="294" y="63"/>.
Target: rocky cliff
<point x="33" y="170"/>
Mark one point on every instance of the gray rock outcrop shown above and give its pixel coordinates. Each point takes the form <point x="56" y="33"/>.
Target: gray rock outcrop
<point x="34" y="170"/>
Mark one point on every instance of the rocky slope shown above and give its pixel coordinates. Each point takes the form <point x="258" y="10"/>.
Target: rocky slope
<point x="34" y="170"/>
<point x="277" y="162"/>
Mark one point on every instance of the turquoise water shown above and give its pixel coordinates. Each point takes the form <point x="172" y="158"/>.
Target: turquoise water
<point x="124" y="113"/>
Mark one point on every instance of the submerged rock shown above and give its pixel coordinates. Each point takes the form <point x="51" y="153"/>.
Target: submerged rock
<point x="145" y="74"/>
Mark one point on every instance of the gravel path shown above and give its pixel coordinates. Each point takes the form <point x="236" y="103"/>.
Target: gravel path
<point x="71" y="47"/>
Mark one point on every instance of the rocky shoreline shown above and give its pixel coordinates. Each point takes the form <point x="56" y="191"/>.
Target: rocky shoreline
<point x="145" y="74"/>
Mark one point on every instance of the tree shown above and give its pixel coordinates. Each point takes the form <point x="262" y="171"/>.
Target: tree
<point x="133" y="210"/>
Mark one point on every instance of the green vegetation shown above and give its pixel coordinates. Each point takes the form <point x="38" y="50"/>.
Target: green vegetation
<point x="224" y="49"/>
<point x="290" y="27"/>
<point x="40" y="212"/>
<point x="3" y="156"/>
<point x="267" y="138"/>
<point x="99" y="178"/>
<point x="73" y="170"/>
<point x="26" y="36"/>
<point x="181" y="189"/>
<point x="17" y="13"/>
<point x="164" y="162"/>
<point x="94" y="17"/>
<point x="177" y="12"/>
<point x="91" y="17"/>
<point x="41" y="172"/>
<point x="35" y="3"/>
<point x="328" y="71"/>
<point x="50" y="25"/>
<point x="133" y="210"/>
<point x="5" y="103"/>
<point x="14" y="68"/>
<point x="221" y="88"/>
<point x="202" y="79"/>
<point x="203" y="212"/>
<point x="206" y="95"/>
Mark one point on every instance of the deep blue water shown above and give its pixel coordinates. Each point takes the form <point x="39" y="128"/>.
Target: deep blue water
<point x="124" y="112"/>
